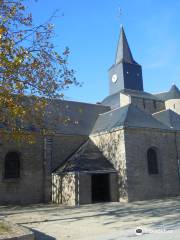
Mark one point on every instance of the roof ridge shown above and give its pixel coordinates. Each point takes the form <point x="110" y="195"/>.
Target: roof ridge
<point x="127" y="113"/>
<point x="160" y="92"/>
<point x="164" y="110"/>
<point x="169" y="118"/>
<point x="115" y="109"/>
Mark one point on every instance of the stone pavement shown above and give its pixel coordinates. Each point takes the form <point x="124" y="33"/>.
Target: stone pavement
<point x="158" y="219"/>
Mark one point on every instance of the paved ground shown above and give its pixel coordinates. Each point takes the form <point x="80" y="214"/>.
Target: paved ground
<point x="159" y="219"/>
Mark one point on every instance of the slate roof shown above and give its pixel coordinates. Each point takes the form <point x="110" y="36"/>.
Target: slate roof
<point x="68" y="117"/>
<point x="87" y="158"/>
<point x="127" y="116"/>
<point x="114" y="100"/>
<point x="123" y="53"/>
<point x="173" y="93"/>
<point x="169" y="118"/>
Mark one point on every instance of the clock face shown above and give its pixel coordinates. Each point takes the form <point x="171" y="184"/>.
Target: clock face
<point x="114" y="78"/>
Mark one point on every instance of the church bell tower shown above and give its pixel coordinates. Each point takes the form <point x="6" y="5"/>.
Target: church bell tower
<point x="125" y="73"/>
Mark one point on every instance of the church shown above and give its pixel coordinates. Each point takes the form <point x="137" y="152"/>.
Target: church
<point x="125" y="148"/>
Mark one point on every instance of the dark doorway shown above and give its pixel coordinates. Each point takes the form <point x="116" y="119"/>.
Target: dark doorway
<point x="100" y="188"/>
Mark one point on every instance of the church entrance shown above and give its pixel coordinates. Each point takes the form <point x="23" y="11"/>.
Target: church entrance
<point x="100" y="188"/>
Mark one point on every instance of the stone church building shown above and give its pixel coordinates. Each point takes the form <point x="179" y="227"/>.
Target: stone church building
<point x="125" y="148"/>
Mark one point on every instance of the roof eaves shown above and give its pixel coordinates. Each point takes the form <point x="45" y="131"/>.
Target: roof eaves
<point x="84" y="171"/>
<point x="139" y="127"/>
<point x="108" y="131"/>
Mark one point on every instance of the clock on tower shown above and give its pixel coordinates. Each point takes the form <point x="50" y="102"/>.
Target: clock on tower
<point x="125" y="73"/>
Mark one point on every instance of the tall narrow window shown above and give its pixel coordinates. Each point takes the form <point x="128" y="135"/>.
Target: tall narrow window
<point x="152" y="161"/>
<point x="154" y="103"/>
<point x="144" y="103"/>
<point x="12" y="165"/>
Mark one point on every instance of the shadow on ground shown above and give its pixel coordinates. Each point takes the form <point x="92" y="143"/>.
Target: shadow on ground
<point x="159" y="212"/>
<point x="41" y="236"/>
<point x="153" y="213"/>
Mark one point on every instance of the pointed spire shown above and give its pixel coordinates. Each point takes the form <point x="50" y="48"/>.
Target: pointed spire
<point x="174" y="88"/>
<point x="173" y="93"/>
<point x="123" y="51"/>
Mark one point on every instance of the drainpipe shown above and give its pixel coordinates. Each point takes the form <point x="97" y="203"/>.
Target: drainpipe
<point x="47" y="162"/>
<point x="44" y="167"/>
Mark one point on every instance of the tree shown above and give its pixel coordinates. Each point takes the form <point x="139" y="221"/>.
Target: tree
<point x="29" y="66"/>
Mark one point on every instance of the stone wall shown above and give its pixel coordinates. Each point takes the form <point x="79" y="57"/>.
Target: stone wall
<point x="64" y="189"/>
<point x="148" y="105"/>
<point x="173" y="104"/>
<point x="124" y="100"/>
<point x="37" y="162"/>
<point x="141" y="185"/>
<point x="127" y="150"/>
<point x="75" y="188"/>
<point x="114" y="195"/>
<point x="57" y="149"/>
<point x="113" y="147"/>
<point x="29" y="188"/>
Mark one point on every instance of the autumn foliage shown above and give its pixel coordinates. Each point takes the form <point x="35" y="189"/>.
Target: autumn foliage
<point x="31" y="70"/>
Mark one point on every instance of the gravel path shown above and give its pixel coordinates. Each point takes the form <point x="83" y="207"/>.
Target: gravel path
<point x="158" y="219"/>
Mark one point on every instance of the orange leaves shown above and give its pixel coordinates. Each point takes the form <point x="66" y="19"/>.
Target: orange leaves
<point x="2" y="29"/>
<point x="31" y="70"/>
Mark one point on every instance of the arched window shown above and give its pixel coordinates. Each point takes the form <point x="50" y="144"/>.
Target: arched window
<point x="152" y="161"/>
<point x="12" y="165"/>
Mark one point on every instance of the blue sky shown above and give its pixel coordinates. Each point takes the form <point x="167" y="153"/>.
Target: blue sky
<point x="91" y="29"/>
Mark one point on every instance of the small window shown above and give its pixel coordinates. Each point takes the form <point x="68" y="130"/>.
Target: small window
<point x="152" y="161"/>
<point x="174" y="106"/>
<point x="12" y="165"/>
